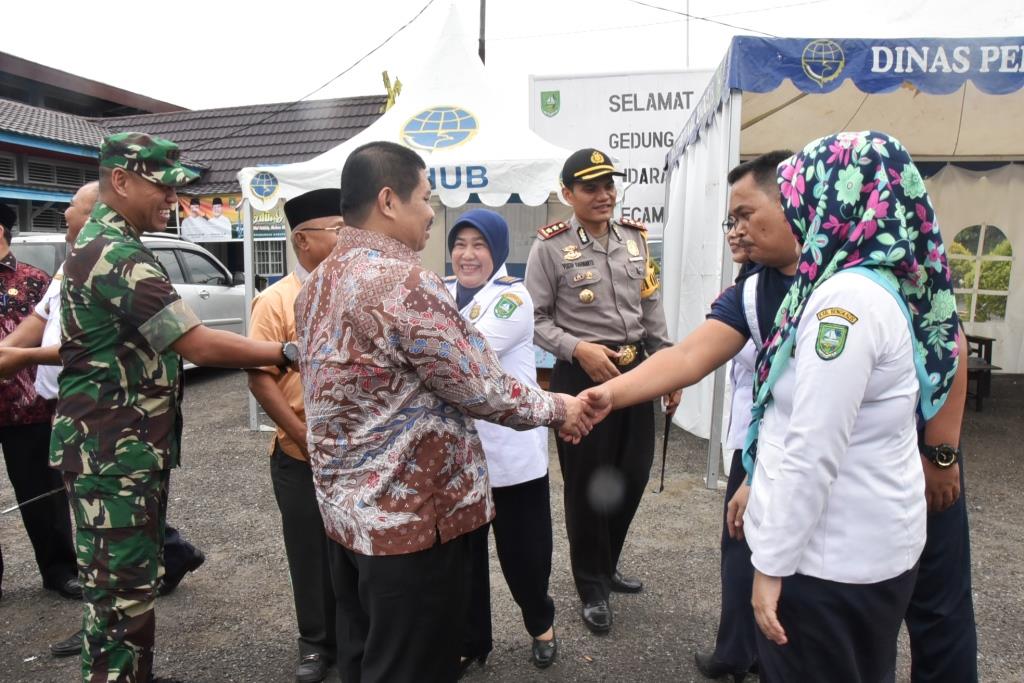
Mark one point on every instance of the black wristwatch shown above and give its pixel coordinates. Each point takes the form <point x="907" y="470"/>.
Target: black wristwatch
<point x="942" y="456"/>
<point x="290" y="351"/>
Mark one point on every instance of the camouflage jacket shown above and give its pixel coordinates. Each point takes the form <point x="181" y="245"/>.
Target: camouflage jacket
<point x="119" y="409"/>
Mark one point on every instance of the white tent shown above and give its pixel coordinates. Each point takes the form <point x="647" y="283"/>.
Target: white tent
<point x="948" y="100"/>
<point x="464" y="130"/>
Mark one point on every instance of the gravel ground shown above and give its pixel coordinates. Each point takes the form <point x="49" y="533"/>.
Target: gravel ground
<point x="233" y="620"/>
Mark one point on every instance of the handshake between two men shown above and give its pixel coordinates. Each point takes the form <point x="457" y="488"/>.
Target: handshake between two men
<point x="592" y="405"/>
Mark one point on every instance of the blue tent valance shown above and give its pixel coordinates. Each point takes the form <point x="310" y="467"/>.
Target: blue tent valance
<point x="933" y="65"/>
<point x="817" y="66"/>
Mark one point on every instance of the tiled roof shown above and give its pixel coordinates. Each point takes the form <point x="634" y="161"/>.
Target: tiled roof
<point x="46" y="124"/>
<point x="226" y="140"/>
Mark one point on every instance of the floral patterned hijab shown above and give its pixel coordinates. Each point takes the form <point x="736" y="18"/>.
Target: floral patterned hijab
<point x="856" y="200"/>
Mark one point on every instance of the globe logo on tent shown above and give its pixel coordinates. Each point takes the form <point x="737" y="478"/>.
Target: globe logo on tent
<point x="263" y="184"/>
<point x="823" y="61"/>
<point x="439" y="128"/>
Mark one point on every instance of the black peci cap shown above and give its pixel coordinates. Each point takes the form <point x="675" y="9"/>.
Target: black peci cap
<point x="313" y="204"/>
<point x="7" y="216"/>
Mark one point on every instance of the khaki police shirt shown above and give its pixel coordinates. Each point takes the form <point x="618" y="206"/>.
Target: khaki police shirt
<point x="583" y="292"/>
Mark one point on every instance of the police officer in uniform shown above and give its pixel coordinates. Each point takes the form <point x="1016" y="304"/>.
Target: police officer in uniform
<point x="597" y="309"/>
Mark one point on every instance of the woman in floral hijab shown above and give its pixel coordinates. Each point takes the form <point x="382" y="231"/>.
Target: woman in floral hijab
<point x="866" y="338"/>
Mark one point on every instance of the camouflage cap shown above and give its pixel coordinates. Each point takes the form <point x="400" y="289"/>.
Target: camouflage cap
<point x="155" y="159"/>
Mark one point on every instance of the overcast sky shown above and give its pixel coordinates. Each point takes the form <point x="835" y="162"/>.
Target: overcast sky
<point x="216" y="54"/>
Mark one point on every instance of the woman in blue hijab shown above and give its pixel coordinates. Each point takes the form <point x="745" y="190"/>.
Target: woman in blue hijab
<point x="517" y="462"/>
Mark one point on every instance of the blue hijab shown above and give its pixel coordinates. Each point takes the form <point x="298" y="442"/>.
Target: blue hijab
<point x="495" y="232"/>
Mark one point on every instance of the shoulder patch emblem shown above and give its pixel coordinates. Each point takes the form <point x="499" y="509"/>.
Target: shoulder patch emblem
<point x="836" y="312"/>
<point x="506" y="306"/>
<point x="508" y="280"/>
<point x="831" y="340"/>
<point x="630" y="223"/>
<point x="549" y="231"/>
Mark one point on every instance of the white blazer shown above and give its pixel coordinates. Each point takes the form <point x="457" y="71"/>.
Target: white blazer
<point x="503" y="313"/>
<point x="838" y="489"/>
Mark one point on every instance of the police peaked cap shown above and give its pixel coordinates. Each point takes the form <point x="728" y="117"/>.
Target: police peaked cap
<point x="587" y="164"/>
<point x="314" y="204"/>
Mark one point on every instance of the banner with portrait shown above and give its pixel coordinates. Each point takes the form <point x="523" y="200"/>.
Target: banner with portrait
<point x="217" y="218"/>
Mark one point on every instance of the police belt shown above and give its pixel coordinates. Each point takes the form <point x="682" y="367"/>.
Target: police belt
<point x="628" y="353"/>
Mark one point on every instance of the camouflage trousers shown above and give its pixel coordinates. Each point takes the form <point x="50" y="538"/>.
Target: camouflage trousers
<point x="119" y="542"/>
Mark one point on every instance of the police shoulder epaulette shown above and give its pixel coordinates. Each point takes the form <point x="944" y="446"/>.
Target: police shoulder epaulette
<point x="630" y="223"/>
<point x="549" y="231"/>
<point x="508" y="280"/>
<point x="450" y="279"/>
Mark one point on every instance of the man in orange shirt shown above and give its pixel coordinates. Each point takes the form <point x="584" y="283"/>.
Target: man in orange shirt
<point x="315" y="221"/>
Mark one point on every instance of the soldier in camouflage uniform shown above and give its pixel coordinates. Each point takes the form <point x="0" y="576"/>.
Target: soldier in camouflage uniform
<point x="117" y="427"/>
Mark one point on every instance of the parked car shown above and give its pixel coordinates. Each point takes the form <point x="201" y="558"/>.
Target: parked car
<point x="217" y="296"/>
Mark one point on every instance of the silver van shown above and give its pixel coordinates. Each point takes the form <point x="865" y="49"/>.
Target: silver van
<point x="217" y="296"/>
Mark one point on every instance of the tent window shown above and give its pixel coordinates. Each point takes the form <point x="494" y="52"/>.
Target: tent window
<point x="269" y="257"/>
<point x="981" y="259"/>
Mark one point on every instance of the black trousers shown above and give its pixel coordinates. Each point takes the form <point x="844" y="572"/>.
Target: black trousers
<point x="605" y="476"/>
<point x="735" y="643"/>
<point x="305" y="544"/>
<point x="523" y="540"/>
<point x="837" y="632"/>
<point x="400" y="617"/>
<point x="940" y="618"/>
<point x="47" y="521"/>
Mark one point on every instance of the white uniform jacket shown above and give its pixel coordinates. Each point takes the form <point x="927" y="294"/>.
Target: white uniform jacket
<point x="503" y="313"/>
<point x="838" y="489"/>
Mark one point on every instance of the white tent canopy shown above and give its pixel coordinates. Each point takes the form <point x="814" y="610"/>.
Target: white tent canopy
<point x="948" y="100"/>
<point x="452" y="117"/>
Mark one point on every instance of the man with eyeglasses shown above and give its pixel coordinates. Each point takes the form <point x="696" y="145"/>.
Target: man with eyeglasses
<point x="315" y="221"/>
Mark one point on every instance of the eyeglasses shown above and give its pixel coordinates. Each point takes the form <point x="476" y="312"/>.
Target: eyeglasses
<point x="729" y="223"/>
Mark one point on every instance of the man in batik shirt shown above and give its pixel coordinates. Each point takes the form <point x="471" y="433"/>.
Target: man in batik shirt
<point x="393" y="380"/>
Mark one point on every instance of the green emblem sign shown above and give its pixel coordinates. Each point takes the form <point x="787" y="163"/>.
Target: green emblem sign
<point x="550" y="102"/>
<point x="505" y="307"/>
<point x="831" y="340"/>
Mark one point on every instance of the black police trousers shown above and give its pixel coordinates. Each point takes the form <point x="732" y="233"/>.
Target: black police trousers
<point x="605" y="475"/>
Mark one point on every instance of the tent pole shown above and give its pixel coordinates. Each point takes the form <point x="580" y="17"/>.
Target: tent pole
<point x="250" y="291"/>
<point x="718" y="392"/>
<point x="483" y="29"/>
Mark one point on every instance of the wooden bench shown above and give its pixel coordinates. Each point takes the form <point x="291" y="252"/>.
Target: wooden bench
<point x="979" y="368"/>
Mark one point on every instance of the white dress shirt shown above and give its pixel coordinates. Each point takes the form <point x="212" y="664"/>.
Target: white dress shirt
<point x="48" y="309"/>
<point x="838" y="489"/>
<point x="513" y="457"/>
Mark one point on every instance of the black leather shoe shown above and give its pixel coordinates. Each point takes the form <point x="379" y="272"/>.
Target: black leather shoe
<point x="466" y="662"/>
<point x="622" y="584"/>
<point x="68" y="646"/>
<point x="597" y="616"/>
<point x="312" y="669"/>
<point x="68" y="588"/>
<point x="170" y="580"/>
<point x="712" y="667"/>
<point x="544" y="652"/>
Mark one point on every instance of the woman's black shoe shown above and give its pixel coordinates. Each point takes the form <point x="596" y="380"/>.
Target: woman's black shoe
<point x="544" y="652"/>
<point x="467" y="662"/>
